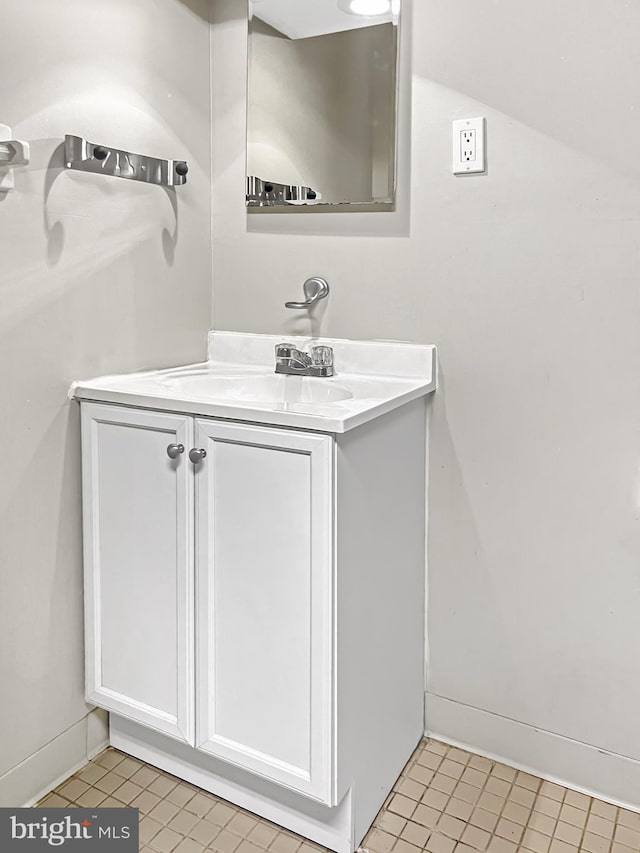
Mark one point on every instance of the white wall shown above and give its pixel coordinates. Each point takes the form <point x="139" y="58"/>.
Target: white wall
<point x="527" y="279"/>
<point x="96" y="275"/>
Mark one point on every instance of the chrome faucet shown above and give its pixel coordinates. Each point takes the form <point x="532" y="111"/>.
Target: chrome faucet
<point x="294" y="362"/>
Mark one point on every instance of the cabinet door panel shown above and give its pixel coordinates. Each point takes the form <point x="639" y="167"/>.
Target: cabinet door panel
<point x="138" y="511"/>
<point x="264" y="602"/>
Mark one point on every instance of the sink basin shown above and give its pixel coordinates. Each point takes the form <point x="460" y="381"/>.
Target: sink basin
<point x="238" y="382"/>
<point x="265" y="388"/>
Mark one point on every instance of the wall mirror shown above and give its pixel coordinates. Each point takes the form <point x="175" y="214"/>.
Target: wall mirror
<point x="322" y="93"/>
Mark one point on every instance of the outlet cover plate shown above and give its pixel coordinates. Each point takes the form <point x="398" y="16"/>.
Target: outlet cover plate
<point x="468" y="146"/>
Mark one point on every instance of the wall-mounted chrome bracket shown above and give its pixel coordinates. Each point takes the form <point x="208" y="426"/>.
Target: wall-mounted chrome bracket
<point x="261" y="193"/>
<point x="87" y="156"/>
<point x="13" y="152"/>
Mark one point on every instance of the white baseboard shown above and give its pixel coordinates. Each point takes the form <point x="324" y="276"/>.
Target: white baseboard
<point x="567" y="762"/>
<point x="33" y="778"/>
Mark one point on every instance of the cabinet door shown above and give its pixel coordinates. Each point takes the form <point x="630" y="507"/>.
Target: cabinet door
<point x="264" y="568"/>
<point x="138" y="530"/>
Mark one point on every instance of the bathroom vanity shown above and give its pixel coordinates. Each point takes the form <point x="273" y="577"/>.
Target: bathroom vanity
<point x="254" y="575"/>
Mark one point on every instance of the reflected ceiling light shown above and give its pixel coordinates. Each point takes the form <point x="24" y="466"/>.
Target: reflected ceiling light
<point x="366" y="8"/>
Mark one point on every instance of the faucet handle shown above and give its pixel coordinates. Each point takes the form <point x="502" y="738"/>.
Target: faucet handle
<point x="284" y="350"/>
<point x="321" y="356"/>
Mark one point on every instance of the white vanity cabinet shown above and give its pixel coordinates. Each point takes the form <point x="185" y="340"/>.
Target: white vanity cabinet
<point x="244" y="538"/>
<point x="255" y="605"/>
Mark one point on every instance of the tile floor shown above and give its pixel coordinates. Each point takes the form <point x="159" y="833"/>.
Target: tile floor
<point x="445" y="801"/>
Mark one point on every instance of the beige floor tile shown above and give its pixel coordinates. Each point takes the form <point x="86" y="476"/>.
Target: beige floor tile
<point x="91" y="773"/>
<point x="599" y="826"/>
<point x="402" y="805"/>
<point x="491" y="802"/>
<point x="181" y="794"/>
<point x="570" y="814"/>
<point x="481" y="763"/>
<point x="450" y="826"/>
<point x="165" y="841"/>
<point x="188" y="845"/>
<point x="497" y="786"/>
<point x="553" y="791"/>
<point x="501" y="845"/>
<point x="54" y="801"/>
<point x="109" y="782"/>
<point x="419" y="773"/>
<point x="451" y="768"/>
<point x="416" y="834"/>
<point x="183" y="822"/>
<point x="127" y="767"/>
<point x="390" y="822"/>
<point x="459" y="755"/>
<point x="162" y="785"/>
<point x="526" y="780"/>
<point x="145" y="776"/>
<point x="443" y="783"/>
<point x="605" y="810"/>
<point x="204" y="832"/>
<point x="547" y="806"/>
<point x="221" y="814"/>
<point x="91" y="798"/>
<point x="535" y="841"/>
<point x="474" y="777"/>
<point x="435" y="799"/>
<point x="484" y="819"/>
<point x="145" y="802"/>
<point x="378" y="841"/>
<point x="626" y="835"/>
<point x="509" y="830"/>
<point x="569" y="833"/>
<point x="241" y="824"/>
<point x="431" y="760"/>
<point x="226" y="842"/>
<point x="402" y="846"/>
<point x="112" y="803"/>
<point x="558" y="846"/>
<point x="467" y="793"/>
<point x="501" y="771"/>
<point x="164" y="812"/>
<point x="72" y="789"/>
<point x="580" y="801"/>
<point x="595" y="843"/>
<point x="459" y="809"/>
<point x="523" y="796"/>
<point x="446" y="801"/>
<point x="542" y="823"/>
<point x="630" y="819"/>
<point x="440" y="844"/>
<point x="476" y="838"/>
<point x="410" y="788"/>
<point x="148" y="828"/>
<point x="109" y="758"/>
<point x="426" y="816"/>
<point x="127" y="791"/>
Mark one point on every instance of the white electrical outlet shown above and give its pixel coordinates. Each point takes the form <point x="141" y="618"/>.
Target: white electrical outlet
<point x="468" y="146"/>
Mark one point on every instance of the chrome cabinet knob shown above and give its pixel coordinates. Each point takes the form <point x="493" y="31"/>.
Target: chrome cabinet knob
<point x="197" y="454"/>
<point x="174" y="450"/>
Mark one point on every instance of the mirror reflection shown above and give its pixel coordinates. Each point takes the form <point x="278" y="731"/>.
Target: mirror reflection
<point x="321" y="123"/>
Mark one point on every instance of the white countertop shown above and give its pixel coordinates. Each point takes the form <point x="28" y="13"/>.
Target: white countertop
<point x="379" y="376"/>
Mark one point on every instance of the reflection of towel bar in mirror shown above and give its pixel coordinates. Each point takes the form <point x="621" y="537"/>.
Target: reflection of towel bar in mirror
<point x="322" y="96"/>
<point x="87" y="156"/>
<point x="262" y="193"/>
